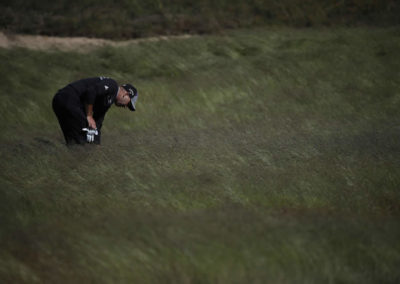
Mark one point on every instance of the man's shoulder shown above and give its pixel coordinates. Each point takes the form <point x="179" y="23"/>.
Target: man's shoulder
<point x="107" y="85"/>
<point x="108" y="82"/>
<point x="101" y="78"/>
<point x="105" y="79"/>
<point x="96" y="80"/>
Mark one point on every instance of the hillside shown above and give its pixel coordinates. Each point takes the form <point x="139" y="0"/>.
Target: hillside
<point x="76" y="44"/>
<point x="126" y="19"/>
<point x="259" y="156"/>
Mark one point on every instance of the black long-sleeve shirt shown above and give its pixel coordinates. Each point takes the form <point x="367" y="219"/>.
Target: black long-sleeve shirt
<point x="99" y="92"/>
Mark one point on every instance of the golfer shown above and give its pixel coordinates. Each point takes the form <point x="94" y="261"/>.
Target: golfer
<point x="80" y="107"/>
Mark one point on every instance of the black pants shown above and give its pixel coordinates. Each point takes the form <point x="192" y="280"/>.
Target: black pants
<point x="71" y="117"/>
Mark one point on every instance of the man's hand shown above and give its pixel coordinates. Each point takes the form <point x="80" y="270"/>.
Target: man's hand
<point x="90" y="133"/>
<point x="91" y="122"/>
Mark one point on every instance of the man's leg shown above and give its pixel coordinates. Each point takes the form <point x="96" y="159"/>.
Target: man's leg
<point x="74" y="122"/>
<point x="71" y="118"/>
<point x="97" y="138"/>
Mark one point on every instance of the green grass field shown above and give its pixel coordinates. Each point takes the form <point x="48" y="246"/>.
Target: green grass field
<point x="256" y="156"/>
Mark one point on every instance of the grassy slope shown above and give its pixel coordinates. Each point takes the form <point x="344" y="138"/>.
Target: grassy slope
<point x="135" y="18"/>
<point x="259" y="155"/>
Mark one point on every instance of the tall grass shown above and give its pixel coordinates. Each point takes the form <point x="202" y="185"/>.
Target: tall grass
<point x="266" y="155"/>
<point x="133" y="18"/>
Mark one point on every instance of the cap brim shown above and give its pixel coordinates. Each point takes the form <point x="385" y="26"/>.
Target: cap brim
<point x="132" y="103"/>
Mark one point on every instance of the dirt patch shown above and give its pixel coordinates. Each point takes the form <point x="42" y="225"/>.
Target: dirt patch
<point x="77" y="44"/>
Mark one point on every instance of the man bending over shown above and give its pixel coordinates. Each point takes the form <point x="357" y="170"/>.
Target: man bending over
<point x="81" y="106"/>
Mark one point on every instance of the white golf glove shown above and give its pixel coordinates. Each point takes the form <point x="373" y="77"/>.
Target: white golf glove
<point x="90" y="133"/>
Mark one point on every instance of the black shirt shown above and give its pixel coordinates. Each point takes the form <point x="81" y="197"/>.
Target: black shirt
<point x="98" y="91"/>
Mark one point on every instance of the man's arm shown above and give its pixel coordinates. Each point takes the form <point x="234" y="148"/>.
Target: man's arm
<point x="102" y="88"/>
<point x="89" y="116"/>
